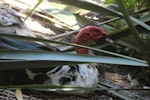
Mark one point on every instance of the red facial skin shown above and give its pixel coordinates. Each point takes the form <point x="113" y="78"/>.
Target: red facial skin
<point x="88" y="36"/>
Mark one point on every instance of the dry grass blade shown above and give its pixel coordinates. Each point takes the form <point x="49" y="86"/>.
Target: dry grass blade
<point x="31" y="12"/>
<point x="124" y="94"/>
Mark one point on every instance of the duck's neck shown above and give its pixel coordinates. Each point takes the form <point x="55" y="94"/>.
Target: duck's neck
<point x="84" y="51"/>
<point x="80" y="50"/>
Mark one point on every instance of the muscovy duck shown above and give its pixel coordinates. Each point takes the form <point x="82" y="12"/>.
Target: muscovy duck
<point x="82" y="75"/>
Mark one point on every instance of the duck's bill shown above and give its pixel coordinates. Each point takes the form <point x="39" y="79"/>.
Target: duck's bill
<point x="107" y="39"/>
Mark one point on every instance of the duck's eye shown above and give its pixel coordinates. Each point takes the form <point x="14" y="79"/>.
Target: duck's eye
<point x="96" y="31"/>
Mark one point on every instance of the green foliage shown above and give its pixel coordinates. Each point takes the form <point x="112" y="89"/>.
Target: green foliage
<point x="109" y="1"/>
<point x="136" y="40"/>
<point x="135" y="33"/>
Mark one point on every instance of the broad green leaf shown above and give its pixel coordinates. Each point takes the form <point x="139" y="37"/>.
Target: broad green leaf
<point x="145" y="18"/>
<point x="32" y="59"/>
<point x="58" y="42"/>
<point x="128" y="43"/>
<point x="23" y="64"/>
<point x="84" y="22"/>
<point x="90" y="6"/>
<point x="49" y="87"/>
<point x="102" y="10"/>
<point x="64" y="16"/>
<point x="144" y="25"/>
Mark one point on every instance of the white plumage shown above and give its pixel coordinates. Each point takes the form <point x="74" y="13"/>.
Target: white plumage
<point x="82" y="75"/>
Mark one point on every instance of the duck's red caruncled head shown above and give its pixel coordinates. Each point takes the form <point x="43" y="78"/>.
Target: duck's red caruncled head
<point x="90" y="35"/>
